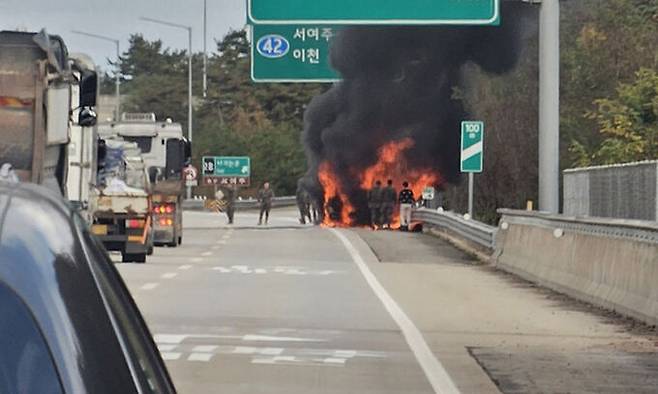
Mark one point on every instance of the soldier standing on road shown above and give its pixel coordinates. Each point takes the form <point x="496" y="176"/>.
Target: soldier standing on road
<point x="375" y="204"/>
<point x="265" y="196"/>
<point x="406" y="200"/>
<point x="389" y="198"/>
<point x="303" y="202"/>
<point x="230" y="195"/>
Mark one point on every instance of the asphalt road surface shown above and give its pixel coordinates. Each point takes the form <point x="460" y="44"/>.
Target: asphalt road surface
<point x="301" y="309"/>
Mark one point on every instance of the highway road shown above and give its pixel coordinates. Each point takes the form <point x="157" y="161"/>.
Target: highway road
<point x="300" y="309"/>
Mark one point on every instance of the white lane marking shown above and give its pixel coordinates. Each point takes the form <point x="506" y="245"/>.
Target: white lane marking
<point x="166" y="348"/>
<point x="206" y="254"/>
<point x="200" y="357"/>
<point x="204" y="348"/>
<point x="222" y="270"/>
<point x="260" y="271"/>
<point x="332" y="360"/>
<point x="169" y="275"/>
<point x="216" y="247"/>
<point x="226" y="236"/>
<point x="196" y="259"/>
<point x="185" y="267"/>
<point x="272" y="351"/>
<point x="149" y="286"/>
<point x="434" y="371"/>
<point x="245" y="350"/>
<point x="274" y="360"/>
<point x="345" y="353"/>
<point x="169" y="338"/>
<point x="167" y="356"/>
<point x="267" y="338"/>
<point x="221" y="242"/>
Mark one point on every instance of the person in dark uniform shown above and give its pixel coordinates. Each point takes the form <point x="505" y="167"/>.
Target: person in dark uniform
<point x="303" y="203"/>
<point x="406" y="200"/>
<point x="230" y="194"/>
<point x="389" y="198"/>
<point x="375" y="204"/>
<point x="265" y="196"/>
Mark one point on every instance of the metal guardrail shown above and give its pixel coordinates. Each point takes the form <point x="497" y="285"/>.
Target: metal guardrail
<point x="634" y="230"/>
<point x="277" y="202"/>
<point x="470" y="230"/>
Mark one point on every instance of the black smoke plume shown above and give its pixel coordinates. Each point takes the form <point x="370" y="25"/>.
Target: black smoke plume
<point x="399" y="82"/>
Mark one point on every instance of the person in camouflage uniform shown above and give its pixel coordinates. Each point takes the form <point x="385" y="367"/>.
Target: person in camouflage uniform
<point x="265" y="197"/>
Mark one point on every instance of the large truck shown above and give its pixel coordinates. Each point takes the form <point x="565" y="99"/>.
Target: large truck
<point x="120" y="205"/>
<point x="166" y="153"/>
<point x="82" y="150"/>
<point x="36" y="90"/>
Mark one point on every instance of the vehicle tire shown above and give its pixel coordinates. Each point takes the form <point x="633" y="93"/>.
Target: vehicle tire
<point x="149" y="252"/>
<point x="180" y="240"/>
<point x="133" y="258"/>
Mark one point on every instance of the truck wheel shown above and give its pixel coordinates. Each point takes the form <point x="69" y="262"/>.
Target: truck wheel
<point x="180" y="240"/>
<point x="133" y="258"/>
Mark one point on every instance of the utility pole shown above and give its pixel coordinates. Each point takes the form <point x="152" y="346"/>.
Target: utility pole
<point x="205" y="50"/>
<point x="189" y="68"/>
<point x="117" y="75"/>
<point x="549" y="106"/>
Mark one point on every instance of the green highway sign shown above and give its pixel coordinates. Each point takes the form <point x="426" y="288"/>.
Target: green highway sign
<point x="292" y="53"/>
<point x="226" y="170"/>
<point x="472" y="146"/>
<point x="384" y="12"/>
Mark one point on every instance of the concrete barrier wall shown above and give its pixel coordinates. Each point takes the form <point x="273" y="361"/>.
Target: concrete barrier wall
<point x="609" y="263"/>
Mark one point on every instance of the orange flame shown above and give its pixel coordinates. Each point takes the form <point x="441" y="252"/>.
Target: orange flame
<point x="391" y="164"/>
<point x="332" y="189"/>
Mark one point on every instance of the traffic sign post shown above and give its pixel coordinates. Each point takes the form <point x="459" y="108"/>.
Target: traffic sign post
<point x="190" y="174"/>
<point x="292" y="53"/>
<point x="227" y="170"/>
<point x="365" y="12"/>
<point x="472" y="154"/>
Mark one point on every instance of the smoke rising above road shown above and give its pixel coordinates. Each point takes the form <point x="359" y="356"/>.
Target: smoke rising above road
<point x="397" y="91"/>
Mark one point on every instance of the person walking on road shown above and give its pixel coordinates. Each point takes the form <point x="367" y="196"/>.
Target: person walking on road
<point x="406" y="200"/>
<point x="375" y="204"/>
<point x="265" y="196"/>
<point x="389" y="198"/>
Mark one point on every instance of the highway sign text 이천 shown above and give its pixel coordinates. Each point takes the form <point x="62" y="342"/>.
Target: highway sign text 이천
<point x="226" y="170"/>
<point x="472" y="146"/>
<point x="292" y="53"/>
<point x="384" y="12"/>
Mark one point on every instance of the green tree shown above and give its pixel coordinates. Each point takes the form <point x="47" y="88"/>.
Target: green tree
<point x="628" y="123"/>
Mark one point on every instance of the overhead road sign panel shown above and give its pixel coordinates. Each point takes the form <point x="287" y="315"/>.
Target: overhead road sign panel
<point x="292" y="53"/>
<point x="383" y="12"/>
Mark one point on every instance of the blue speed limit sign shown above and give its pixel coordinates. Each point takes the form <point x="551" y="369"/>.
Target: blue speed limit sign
<point x="273" y="46"/>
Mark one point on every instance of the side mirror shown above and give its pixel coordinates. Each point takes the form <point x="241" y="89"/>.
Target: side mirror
<point x="88" y="89"/>
<point x="87" y="118"/>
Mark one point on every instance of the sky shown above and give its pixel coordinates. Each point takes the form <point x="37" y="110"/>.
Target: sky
<point x="119" y="18"/>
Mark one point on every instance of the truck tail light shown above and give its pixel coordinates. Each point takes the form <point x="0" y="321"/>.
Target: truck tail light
<point x="166" y="222"/>
<point x="135" y="223"/>
<point x="164" y="209"/>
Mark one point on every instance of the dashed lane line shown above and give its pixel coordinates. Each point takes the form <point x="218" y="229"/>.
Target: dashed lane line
<point x="185" y="267"/>
<point x="170" y="356"/>
<point x="149" y="286"/>
<point x="196" y="259"/>
<point x="206" y="254"/>
<point x="169" y="275"/>
<point x="434" y="371"/>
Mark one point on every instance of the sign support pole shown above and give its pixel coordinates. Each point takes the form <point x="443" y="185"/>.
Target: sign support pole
<point x="549" y="106"/>
<point x="471" y="181"/>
